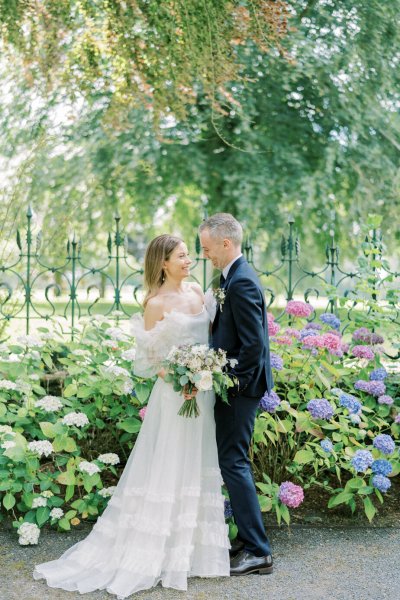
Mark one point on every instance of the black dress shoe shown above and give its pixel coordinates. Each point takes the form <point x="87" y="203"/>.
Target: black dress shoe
<point x="236" y="547"/>
<point x="245" y="563"/>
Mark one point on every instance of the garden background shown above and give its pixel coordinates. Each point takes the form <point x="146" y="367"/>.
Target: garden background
<point x="121" y="120"/>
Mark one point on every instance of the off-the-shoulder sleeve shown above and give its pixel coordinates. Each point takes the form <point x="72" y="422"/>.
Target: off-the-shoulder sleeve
<point x="150" y="351"/>
<point x="153" y="345"/>
<point x="210" y="304"/>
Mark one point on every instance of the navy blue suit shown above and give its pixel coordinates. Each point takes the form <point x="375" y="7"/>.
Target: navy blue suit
<point x="241" y="329"/>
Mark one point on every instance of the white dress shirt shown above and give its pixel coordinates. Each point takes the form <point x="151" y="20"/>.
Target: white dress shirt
<point x="225" y="270"/>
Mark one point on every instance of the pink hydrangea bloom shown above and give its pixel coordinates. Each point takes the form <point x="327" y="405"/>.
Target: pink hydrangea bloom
<point x="297" y="308"/>
<point x="284" y="340"/>
<point x="142" y="412"/>
<point x="293" y="332"/>
<point x="363" y="352"/>
<point x="291" y="494"/>
<point x="331" y="342"/>
<point x="273" y="327"/>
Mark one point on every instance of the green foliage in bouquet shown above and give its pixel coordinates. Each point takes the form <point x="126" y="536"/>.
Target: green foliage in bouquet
<point x="201" y="368"/>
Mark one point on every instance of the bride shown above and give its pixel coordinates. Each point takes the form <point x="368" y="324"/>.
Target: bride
<point x="165" y="521"/>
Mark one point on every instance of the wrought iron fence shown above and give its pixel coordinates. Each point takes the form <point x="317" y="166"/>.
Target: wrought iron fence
<point x="85" y="284"/>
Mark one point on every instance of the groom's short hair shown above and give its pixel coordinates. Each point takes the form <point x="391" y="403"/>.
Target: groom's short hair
<point x="223" y="226"/>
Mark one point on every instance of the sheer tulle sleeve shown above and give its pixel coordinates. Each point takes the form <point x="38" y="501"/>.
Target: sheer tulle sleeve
<point x="153" y="345"/>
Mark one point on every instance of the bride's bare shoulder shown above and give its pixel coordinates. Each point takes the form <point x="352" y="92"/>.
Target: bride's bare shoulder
<point x="154" y="311"/>
<point x="195" y="287"/>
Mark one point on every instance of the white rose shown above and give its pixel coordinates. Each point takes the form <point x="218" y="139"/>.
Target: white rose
<point x="206" y="381"/>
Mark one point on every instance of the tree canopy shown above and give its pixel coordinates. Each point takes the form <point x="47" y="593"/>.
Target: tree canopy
<point x="310" y="127"/>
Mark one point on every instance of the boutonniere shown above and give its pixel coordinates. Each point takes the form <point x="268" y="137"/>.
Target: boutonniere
<point x="219" y="295"/>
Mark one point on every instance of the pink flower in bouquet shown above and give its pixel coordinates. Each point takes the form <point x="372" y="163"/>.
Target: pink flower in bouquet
<point x="142" y="412"/>
<point x="297" y="308"/>
<point x="273" y="327"/>
<point x="291" y="494"/>
<point x="363" y="352"/>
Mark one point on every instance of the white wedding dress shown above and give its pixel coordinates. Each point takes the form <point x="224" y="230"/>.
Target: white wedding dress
<point x="165" y="521"/>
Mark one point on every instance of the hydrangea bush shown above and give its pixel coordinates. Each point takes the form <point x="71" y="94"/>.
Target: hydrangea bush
<point x="333" y="418"/>
<point x="68" y="412"/>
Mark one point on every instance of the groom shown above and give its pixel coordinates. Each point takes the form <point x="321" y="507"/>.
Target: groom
<point x="240" y="328"/>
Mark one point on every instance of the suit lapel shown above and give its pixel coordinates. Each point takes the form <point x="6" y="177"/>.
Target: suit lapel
<point x="231" y="272"/>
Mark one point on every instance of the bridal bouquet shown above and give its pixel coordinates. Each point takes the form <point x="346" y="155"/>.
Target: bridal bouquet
<point x="199" y="367"/>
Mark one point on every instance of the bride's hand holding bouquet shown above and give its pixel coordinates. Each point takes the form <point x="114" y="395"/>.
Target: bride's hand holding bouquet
<point x="197" y="368"/>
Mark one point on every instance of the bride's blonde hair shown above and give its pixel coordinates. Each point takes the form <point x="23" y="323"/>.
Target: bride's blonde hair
<point x="158" y="251"/>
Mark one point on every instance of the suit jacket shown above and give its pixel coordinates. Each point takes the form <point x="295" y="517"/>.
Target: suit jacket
<point x="241" y="328"/>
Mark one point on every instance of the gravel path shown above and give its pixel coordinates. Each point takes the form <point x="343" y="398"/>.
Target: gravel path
<point x="310" y="564"/>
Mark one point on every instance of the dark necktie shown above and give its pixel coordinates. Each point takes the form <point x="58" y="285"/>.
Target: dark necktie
<point x="221" y="280"/>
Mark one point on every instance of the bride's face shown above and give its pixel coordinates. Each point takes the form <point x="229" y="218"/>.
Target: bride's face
<point x="177" y="266"/>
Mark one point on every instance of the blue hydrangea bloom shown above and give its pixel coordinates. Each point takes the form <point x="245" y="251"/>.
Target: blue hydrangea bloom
<point x="384" y="443"/>
<point x="307" y="332"/>
<point x="326" y="445"/>
<point x="381" y="482"/>
<point x="381" y="467"/>
<point x="378" y="374"/>
<point x="331" y="320"/>
<point x="319" y="408"/>
<point x="362" y="460"/>
<point x="276" y="361"/>
<point x="228" y="509"/>
<point x="350" y="402"/>
<point x="270" y="401"/>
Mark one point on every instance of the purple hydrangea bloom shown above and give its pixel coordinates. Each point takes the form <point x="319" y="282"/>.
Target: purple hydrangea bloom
<point x="381" y="483"/>
<point x="375" y="388"/>
<point x="313" y="325"/>
<point x="331" y="320"/>
<point x="385" y="399"/>
<point x="350" y="402"/>
<point x="365" y="335"/>
<point x="319" y="408"/>
<point x="376" y="339"/>
<point x="362" y="460"/>
<point x="378" y="374"/>
<point x="307" y="333"/>
<point x="228" y="509"/>
<point x="362" y="335"/>
<point x="384" y="443"/>
<point x="381" y="467"/>
<point x="270" y="401"/>
<point x="363" y="352"/>
<point x="326" y="445"/>
<point x="291" y="494"/>
<point x="397" y="418"/>
<point x="276" y="361"/>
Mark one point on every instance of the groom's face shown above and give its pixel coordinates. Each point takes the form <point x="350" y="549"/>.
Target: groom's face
<point x="214" y="249"/>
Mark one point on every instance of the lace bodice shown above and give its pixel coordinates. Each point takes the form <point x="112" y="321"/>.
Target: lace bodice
<point x="175" y="329"/>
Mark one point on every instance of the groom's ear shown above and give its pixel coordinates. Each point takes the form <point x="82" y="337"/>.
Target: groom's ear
<point x="227" y="243"/>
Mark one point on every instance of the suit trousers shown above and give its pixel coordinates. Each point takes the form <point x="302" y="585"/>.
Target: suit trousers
<point x="234" y="428"/>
